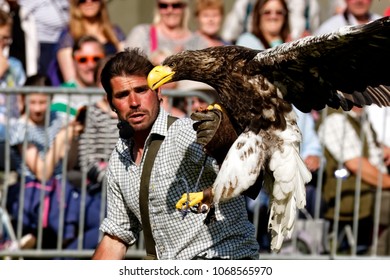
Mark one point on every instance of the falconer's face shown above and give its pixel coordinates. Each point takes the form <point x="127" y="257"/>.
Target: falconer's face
<point x="135" y="102"/>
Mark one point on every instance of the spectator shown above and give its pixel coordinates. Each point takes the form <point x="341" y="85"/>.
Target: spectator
<point x="168" y="32"/>
<point x="47" y="146"/>
<point x="270" y="25"/>
<point x="349" y="156"/>
<point x="11" y="75"/>
<point x="51" y="17"/>
<point x="24" y="36"/>
<point x="96" y="144"/>
<point x="87" y="17"/>
<point x="356" y="12"/>
<point x="86" y="53"/>
<point x="124" y="80"/>
<point x="100" y="135"/>
<point x="209" y="15"/>
<point x="304" y="18"/>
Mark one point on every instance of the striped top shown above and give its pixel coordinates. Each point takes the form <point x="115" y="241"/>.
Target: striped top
<point x="39" y="135"/>
<point x="99" y="138"/>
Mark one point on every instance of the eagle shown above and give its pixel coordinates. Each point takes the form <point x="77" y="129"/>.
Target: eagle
<point x="257" y="89"/>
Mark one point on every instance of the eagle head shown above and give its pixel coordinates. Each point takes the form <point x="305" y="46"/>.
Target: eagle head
<point x="213" y="66"/>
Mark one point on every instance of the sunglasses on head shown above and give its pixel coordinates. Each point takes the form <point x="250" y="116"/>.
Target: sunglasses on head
<point x="84" y="1"/>
<point x="178" y="5"/>
<point x="88" y="58"/>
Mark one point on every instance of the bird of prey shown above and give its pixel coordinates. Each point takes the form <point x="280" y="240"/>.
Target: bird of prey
<point x="344" y="68"/>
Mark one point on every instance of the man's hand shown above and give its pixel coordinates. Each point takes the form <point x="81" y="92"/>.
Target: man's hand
<point x="208" y="121"/>
<point x="214" y="131"/>
<point x="313" y="163"/>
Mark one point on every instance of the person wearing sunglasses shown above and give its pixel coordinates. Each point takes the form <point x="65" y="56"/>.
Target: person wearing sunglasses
<point x="270" y="25"/>
<point x="86" y="53"/>
<point x="169" y="30"/>
<point x="87" y="17"/>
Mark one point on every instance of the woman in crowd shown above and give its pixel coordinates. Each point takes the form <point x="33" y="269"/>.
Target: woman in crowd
<point x="87" y="17"/>
<point x="270" y="25"/>
<point x="169" y="30"/>
<point x="209" y="15"/>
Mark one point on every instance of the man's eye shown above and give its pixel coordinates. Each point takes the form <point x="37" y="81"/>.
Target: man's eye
<point x="141" y="90"/>
<point x="121" y="95"/>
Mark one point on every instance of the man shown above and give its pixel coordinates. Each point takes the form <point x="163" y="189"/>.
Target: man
<point x="177" y="234"/>
<point x="87" y="51"/>
<point x="356" y="12"/>
<point x="349" y="156"/>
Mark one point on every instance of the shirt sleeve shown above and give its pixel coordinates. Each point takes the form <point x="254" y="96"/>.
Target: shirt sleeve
<point x="65" y="40"/>
<point x="339" y="137"/>
<point x="120" y="221"/>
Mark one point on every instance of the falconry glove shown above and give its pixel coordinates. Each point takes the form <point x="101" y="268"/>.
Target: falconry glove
<point x="214" y="131"/>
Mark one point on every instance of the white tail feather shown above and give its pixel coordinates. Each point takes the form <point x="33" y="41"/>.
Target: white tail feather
<point x="288" y="192"/>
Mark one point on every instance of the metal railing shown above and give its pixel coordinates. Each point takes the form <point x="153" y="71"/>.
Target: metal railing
<point x="320" y="248"/>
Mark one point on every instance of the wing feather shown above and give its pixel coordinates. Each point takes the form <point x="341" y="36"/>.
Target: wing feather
<point x="350" y="60"/>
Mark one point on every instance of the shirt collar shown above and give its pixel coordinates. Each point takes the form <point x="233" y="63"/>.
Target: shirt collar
<point x="124" y="146"/>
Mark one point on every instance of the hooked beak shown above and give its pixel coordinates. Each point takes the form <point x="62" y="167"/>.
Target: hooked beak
<point x="159" y="75"/>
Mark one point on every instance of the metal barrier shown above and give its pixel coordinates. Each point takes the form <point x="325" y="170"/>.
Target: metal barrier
<point x="323" y="247"/>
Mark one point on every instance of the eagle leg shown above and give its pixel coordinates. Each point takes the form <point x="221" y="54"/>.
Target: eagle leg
<point x="202" y="199"/>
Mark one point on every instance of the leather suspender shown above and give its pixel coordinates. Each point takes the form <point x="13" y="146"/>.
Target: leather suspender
<point x="154" y="146"/>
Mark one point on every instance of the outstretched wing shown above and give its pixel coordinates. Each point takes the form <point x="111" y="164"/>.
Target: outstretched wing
<point x="343" y="68"/>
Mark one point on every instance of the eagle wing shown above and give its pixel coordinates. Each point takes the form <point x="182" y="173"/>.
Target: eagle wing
<point x="343" y="68"/>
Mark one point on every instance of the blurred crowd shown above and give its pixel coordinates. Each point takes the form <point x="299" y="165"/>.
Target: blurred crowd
<point x="65" y="43"/>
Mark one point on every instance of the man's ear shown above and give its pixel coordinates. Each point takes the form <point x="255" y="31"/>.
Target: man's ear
<point x="159" y="95"/>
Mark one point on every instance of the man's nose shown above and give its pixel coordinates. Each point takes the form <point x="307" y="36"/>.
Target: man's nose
<point x="133" y="100"/>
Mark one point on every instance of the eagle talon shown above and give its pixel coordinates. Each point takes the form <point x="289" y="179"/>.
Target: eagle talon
<point x="214" y="106"/>
<point x="202" y="199"/>
<point x="204" y="208"/>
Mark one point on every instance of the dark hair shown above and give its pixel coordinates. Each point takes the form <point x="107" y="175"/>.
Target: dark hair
<point x="85" y="39"/>
<point x="256" y="15"/>
<point x="38" y="80"/>
<point x="130" y="62"/>
<point x="98" y="69"/>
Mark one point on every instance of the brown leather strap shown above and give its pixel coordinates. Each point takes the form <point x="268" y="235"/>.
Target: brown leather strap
<point x="154" y="146"/>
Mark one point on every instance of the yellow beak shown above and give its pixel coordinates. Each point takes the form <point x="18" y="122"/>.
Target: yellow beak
<point x="159" y="75"/>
